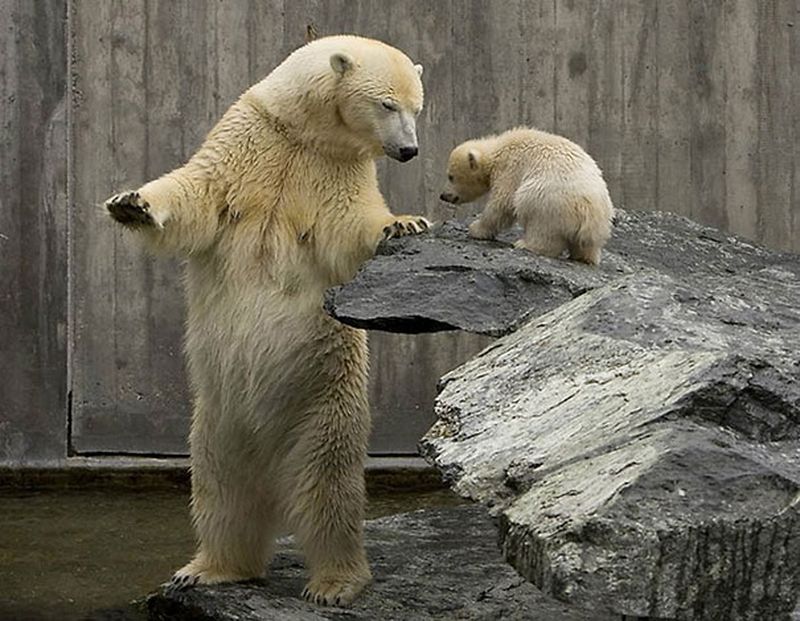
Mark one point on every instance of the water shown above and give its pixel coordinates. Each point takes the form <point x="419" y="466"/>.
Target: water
<point x="88" y="553"/>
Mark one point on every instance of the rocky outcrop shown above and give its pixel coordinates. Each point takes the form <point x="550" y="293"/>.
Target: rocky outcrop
<point x="430" y="564"/>
<point x="445" y="281"/>
<point x="638" y="435"/>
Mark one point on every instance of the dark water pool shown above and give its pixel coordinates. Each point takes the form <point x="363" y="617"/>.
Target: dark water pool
<point x="87" y="554"/>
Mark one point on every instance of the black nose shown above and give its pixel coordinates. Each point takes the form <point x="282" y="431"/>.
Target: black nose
<point x="406" y="153"/>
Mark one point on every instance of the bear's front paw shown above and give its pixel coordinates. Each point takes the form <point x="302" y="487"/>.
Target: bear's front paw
<point x="406" y="225"/>
<point x="131" y="209"/>
<point x="334" y="591"/>
<point x="478" y="231"/>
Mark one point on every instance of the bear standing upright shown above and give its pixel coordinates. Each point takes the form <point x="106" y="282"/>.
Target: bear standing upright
<point x="547" y="183"/>
<point x="280" y="203"/>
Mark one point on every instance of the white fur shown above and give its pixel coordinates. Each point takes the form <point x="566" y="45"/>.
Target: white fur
<point x="280" y="203"/>
<point x="547" y="183"/>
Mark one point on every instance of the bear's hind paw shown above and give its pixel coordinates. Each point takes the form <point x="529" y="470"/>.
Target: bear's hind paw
<point x="195" y="573"/>
<point x="181" y="581"/>
<point x="333" y="592"/>
<point x="131" y="209"/>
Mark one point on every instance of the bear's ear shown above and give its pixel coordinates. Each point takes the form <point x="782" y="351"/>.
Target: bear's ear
<point x="419" y="70"/>
<point x="473" y="157"/>
<point x="341" y="63"/>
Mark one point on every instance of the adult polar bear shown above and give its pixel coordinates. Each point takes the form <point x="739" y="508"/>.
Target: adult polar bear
<point x="280" y="203"/>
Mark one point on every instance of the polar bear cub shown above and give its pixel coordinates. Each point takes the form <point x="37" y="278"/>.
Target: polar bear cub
<point x="547" y="183"/>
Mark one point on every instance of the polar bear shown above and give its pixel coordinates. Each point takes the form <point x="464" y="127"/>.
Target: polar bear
<point x="280" y="203"/>
<point x="547" y="183"/>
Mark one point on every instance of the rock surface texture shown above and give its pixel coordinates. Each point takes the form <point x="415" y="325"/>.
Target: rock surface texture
<point x="430" y="564"/>
<point x="638" y="434"/>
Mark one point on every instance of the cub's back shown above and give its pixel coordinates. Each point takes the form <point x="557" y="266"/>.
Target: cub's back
<point x="555" y="171"/>
<point x="543" y="152"/>
<point x="547" y="158"/>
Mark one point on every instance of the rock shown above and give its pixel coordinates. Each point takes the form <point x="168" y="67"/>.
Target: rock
<point x="638" y="435"/>
<point x="430" y="564"/>
<point x="445" y="281"/>
<point x="641" y="443"/>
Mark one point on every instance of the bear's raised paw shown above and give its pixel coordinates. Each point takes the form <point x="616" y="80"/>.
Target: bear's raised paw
<point x="131" y="209"/>
<point x="406" y="225"/>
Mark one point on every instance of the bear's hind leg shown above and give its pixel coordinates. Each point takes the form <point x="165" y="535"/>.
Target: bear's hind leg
<point x="236" y="523"/>
<point x="331" y="536"/>
<point x="585" y="253"/>
<point x="545" y="245"/>
<point x="327" y="507"/>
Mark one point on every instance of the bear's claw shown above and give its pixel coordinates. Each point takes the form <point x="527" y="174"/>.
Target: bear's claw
<point x="333" y="592"/>
<point x="179" y="582"/>
<point x="130" y="208"/>
<point x="406" y="225"/>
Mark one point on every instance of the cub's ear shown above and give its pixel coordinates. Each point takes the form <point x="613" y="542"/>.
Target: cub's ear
<point x="341" y="63"/>
<point x="419" y="70"/>
<point x="474" y="158"/>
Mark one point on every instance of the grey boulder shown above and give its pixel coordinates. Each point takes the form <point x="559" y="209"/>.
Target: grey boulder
<point x="637" y="432"/>
<point x="430" y="564"/>
<point x="443" y="280"/>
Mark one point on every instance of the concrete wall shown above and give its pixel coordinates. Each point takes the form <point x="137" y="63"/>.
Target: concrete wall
<point x="689" y="106"/>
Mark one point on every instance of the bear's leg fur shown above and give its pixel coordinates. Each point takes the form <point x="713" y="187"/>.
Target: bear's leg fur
<point x="325" y="477"/>
<point x="233" y="511"/>
<point x="538" y="242"/>
<point x="328" y="511"/>
<point x="586" y="253"/>
<point x="172" y="213"/>
<point x="497" y="216"/>
<point x="593" y="228"/>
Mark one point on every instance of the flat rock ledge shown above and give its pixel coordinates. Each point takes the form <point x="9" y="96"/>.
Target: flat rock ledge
<point x="430" y="564"/>
<point x="637" y="432"/>
<point x="443" y="280"/>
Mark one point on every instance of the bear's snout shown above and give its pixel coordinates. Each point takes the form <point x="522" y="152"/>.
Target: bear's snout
<point x="447" y="197"/>
<point x="401" y="154"/>
<point x="406" y="153"/>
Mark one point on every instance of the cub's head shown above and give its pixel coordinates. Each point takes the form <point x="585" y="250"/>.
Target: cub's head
<point x="467" y="174"/>
<point x="378" y="96"/>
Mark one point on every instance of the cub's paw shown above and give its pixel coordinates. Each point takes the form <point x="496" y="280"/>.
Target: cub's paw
<point x="406" y="225"/>
<point x="478" y="231"/>
<point x="131" y="209"/>
<point x="334" y="591"/>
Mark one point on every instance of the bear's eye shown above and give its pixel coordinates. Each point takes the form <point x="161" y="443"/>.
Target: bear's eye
<point x="389" y="105"/>
<point x="450" y="178"/>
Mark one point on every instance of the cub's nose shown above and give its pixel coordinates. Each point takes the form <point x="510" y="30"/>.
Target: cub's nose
<point x="406" y="153"/>
<point x="447" y="197"/>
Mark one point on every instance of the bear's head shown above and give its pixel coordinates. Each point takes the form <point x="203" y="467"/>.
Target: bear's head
<point x="467" y="175"/>
<point x="347" y="95"/>
<point x="378" y="96"/>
